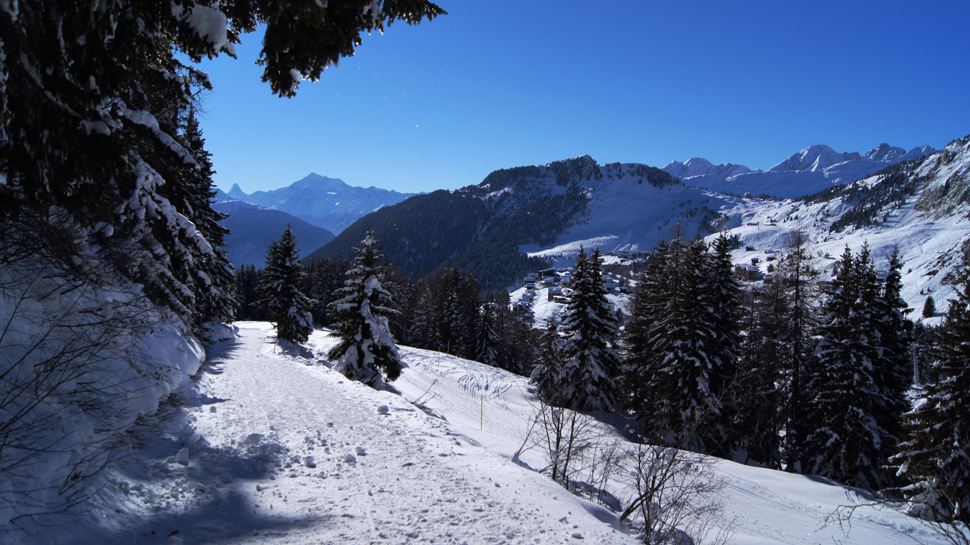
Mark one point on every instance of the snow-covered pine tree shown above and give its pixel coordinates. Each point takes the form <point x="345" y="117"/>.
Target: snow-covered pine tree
<point x="649" y="300"/>
<point x="796" y="276"/>
<point x="893" y="372"/>
<point x="214" y="276"/>
<point x="486" y="339"/>
<point x="587" y="381"/>
<point x="759" y="394"/>
<point x="688" y="383"/>
<point x="935" y="456"/>
<point x="549" y="361"/>
<point x="843" y="389"/>
<point x="365" y="351"/>
<point x="90" y="107"/>
<point x="279" y="290"/>
<point x="722" y="292"/>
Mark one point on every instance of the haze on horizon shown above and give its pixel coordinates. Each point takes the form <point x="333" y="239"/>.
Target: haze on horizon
<point x="503" y="84"/>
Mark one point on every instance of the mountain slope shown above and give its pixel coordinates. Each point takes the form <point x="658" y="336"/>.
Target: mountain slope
<point x="535" y="208"/>
<point x="253" y="228"/>
<point x="277" y="448"/>
<point x="921" y="206"/>
<point x="522" y="219"/>
<point x="325" y="202"/>
<point x="809" y="171"/>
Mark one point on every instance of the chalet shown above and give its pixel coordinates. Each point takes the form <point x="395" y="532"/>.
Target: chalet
<point x="549" y="277"/>
<point x="748" y="273"/>
<point x="554" y="293"/>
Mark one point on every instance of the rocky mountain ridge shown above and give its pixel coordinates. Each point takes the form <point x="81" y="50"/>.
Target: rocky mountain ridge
<point x="809" y="171"/>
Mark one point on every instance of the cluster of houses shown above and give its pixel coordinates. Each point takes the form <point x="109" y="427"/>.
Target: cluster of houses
<point x="556" y="282"/>
<point x="752" y="272"/>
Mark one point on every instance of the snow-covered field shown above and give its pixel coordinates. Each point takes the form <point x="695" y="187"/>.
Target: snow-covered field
<point x="272" y="446"/>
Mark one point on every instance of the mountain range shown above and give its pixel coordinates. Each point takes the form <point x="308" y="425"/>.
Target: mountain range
<point x="524" y="218"/>
<point x="325" y="202"/>
<point x="809" y="171"/>
<point x="921" y="207"/>
<point x="253" y="228"/>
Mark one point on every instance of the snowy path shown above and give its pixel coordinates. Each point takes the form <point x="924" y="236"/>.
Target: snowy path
<point x="276" y="448"/>
<point x="295" y="453"/>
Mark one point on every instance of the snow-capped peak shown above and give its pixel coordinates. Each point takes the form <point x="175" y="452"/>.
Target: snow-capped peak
<point x="917" y="152"/>
<point x="698" y="166"/>
<point x="885" y="152"/>
<point x="813" y="159"/>
<point x="237" y="193"/>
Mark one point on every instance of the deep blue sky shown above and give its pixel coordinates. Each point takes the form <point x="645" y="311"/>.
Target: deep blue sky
<point x="500" y="83"/>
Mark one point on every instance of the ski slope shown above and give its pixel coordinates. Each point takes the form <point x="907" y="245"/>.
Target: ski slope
<point x="274" y="447"/>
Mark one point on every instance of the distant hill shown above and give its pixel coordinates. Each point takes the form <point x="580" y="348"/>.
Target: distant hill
<point x="809" y="171"/>
<point x="325" y="202"/>
<point x="253" y="228"/>
<point x="519" y="219"/>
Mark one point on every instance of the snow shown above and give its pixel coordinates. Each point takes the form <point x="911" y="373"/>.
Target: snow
<point x="272" y="445"/>
<point x="923" y="236"/>
<point x="211" y="25"/>
<point x="810" y="170"/>
<point x="134" y="369"/>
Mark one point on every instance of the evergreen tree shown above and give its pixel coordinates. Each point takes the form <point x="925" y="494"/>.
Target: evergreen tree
<point x="423" y="330"/>
<point x="366" y="351"/>
<point x="759" y="394"/>
<point x="517" y="349"/>
<point x="796" y="327"/>
<point x="688" y="382"/>
<point x="929" y="307"/>
<point x="893" y="371"/>
<point x="400" y="285"/>
<point x="649" y="302"/>
<point x="214" y="277"/>
<point x="247" y="294"/>
<point x="935" y="457"/>
<point x="845" y="394"/>
<point x="587" y="380"/>
<point x="324" y="276"/>
<point x="548" y="371"/>
<point x="93" y="102"/>
<point x="486" y="339"/>
<point x="279" y="290"/>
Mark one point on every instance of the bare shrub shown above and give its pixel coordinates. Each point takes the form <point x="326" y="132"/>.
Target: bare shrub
<point x="675" y="496"/>
<point x="67" y="330"/>
<point x="582" y="453"/>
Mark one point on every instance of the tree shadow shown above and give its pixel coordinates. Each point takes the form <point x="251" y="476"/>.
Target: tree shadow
<point x="198" y="492"/>
<point x="222" y="519"/>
